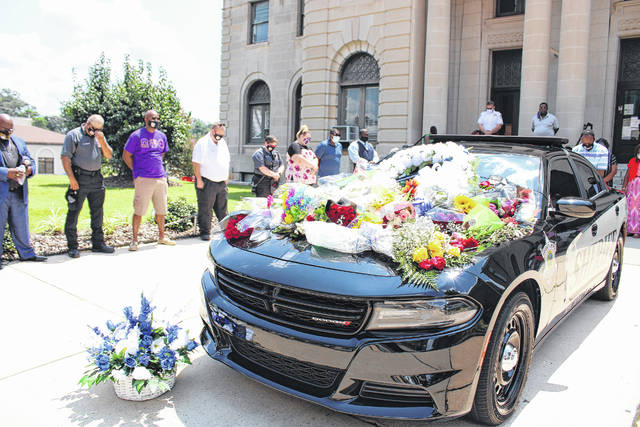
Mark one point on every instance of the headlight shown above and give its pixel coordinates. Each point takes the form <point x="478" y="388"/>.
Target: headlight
<point x="211" y="265"/>
<point x="436" y="313"/>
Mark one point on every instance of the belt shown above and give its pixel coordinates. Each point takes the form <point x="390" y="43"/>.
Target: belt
<point x="80" y="171"/>
<point x="16" y="189"/>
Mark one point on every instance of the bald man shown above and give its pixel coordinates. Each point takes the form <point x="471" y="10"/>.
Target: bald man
<point x="144" y="153"/>
<point x="16" y="165"/>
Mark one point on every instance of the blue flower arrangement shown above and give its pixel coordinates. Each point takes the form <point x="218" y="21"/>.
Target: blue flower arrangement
<point x="140" y="348"/>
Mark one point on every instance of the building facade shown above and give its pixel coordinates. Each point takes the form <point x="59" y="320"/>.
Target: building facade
<point x="398" y="67"/>
<point x="44" y="145"/>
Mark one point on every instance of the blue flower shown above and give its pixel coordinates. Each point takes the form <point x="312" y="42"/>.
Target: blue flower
<point x="102" y="362"/>
<point x="130" y="361"/>
<point x="98" y="332"/>
<point x="128" y="313"/>
<point x="145" y="306"/>
<point x="172" y="333"/>
<point x="191" y="345"/>
<point x="168" y="363"/>
<point x="145" y="327"/>
<point x="144" y="359"/>
<point x="166" y="353"/>
<point x="146" y="341"/>
<point x="111" y="326"/>
<point x="107" y="347"/>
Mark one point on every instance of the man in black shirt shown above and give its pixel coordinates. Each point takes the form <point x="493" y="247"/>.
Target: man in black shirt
<point x="16" y="165"/>
<point x="268" y="168"/>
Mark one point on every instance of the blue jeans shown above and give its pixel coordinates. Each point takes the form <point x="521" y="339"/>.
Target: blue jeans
<point x="16" y="211"/>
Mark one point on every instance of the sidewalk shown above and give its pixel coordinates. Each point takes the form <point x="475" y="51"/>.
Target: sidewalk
<point x="45" y="308"/>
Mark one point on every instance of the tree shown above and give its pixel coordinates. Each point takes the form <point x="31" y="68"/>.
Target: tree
<point x="53" y="123"/>
<point x="123" y="104"/>
<point x="199" y="128"/>
<point x="12" y="104"/>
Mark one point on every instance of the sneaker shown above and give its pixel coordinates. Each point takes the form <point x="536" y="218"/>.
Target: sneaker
<point x="166" y="241"/>
<point x="133" y="246"/>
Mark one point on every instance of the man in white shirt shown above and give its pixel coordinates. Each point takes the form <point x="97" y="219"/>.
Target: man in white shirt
<point x="490" y="120"/>
<point x="544" y="123"/>
<point x="211" y="160"/>
<point x="361" y="152"/>
<point x="597" y="154"/>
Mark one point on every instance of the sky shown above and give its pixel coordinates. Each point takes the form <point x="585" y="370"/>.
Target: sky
<point x="44" y="42"/>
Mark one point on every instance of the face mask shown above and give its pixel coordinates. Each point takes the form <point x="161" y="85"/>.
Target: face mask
<point x="153" y="124"/>
<point x="335" y="139"/>
<point x="306" y="140"/>
<point x="270" y="148"/>
<point x="217" y="137"/>
<point x="4" y="136"/>
<point x="638" y="156"/>
<point x="364" y="138"/>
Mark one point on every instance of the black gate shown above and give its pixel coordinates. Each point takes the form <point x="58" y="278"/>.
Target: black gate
<point x="627" y="122"/>
<point x="505" y="87"/>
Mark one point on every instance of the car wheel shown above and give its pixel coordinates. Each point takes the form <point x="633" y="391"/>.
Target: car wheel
<point x="506" y="362"/>
<point x="610" y="290"/>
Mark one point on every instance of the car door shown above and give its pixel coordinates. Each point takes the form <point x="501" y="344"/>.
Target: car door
<point x="591" y="251"/>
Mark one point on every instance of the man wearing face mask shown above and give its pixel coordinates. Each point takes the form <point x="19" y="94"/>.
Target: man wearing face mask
<point x="211" y="160"/>
<point x="597" y="154"/>
<point x="144" y="153"/>
<point x="329" y="153"/>
<point x="361" y="152"/>
<point x="15" y="167"/>
<point x="490" y="120"/>
<point x="268" y="168"/>
<point x="81" y="157"/>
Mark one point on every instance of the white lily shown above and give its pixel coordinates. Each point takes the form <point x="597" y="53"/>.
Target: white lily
<point x="141" y="373"/>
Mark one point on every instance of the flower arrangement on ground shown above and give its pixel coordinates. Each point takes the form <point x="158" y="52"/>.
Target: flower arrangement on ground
<point x="140" y="347"/>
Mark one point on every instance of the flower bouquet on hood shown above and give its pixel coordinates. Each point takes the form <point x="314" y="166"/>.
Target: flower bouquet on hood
<point x="139" y="354"/>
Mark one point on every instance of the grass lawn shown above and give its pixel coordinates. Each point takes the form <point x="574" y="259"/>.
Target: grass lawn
<point x="48" y="207"/>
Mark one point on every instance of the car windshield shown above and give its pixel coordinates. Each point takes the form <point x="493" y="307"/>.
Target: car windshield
<point x="514" y="176"/>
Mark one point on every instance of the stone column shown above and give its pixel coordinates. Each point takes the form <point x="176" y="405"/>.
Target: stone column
<point x="535" y="61"/>
<point x="436" y="73"/>
<point x="572" y="67"/>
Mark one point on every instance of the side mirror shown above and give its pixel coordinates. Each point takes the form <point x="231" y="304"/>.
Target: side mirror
<point x="576" y="207"/>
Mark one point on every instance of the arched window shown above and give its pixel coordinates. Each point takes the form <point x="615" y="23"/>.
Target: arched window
<point x="359" y="80"/>
<point x="297" y="107"/>
<point x="258" y="112"/>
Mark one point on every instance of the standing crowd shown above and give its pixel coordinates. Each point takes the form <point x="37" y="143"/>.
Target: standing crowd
<point x="85" y="147"/>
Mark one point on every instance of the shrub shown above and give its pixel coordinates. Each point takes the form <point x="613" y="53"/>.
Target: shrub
<point x="180" y="214"/>
<point x="52" y="224"/>
<point x="7" y="244"/>
<point x="111" y="224"/>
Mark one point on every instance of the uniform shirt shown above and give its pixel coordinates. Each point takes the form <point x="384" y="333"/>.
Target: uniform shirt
<point x="329" y="158"/>
<point x="213" y="158"/>
<point x="598" y="155"/>
<point x="544" y="126"/>
<point x="489" y="119"/>
<point x="262" y="157"/>
<point x="83" y="150"/>
<point x="11" y="158"/>
<point x="354" y="151"/>
<point x="147" y="149"/>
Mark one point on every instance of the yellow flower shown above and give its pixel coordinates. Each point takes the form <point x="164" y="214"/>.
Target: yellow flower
<point x="288" y="219"/>
<point x="440" y="236"/>
<point x="453" y="251"/>
<point x="420" y="254"/>
<point x="435" y="248"/>
<point x="464" y="203"/>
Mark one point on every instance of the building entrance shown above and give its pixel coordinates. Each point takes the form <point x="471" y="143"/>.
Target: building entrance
<point x="505" y="87"/>
<point x="627" y="122"/>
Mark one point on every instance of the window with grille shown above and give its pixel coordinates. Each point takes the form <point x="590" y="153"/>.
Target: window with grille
<point x="300" y="18"/>
<point x="258" y="101"/>
<point x="509" y="7"/>
<point x="45" y="165"/>
<point x="359" y="88"/>
<point x="259" y="22"/>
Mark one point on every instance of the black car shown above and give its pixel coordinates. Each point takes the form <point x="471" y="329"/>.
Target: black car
<point x="344" y="331"/>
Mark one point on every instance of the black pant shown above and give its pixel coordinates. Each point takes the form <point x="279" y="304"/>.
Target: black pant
<point x="92" y="189"/>
<point x="212" y="197"/>
<point x="264" y="186"/>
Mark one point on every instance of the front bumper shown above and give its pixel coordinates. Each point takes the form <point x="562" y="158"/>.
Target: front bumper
<point x="409" y="376"/>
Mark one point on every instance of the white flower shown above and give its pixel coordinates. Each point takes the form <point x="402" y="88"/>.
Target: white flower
<point x="181" y="341"/>
<point x="141" y="373"/>
<point x="157" y="345"/>
<point x="121" y="345"/>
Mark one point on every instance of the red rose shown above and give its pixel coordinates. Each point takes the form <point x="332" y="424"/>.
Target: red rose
<point x="310" y="218"/>
<point x="427" y="264"/>
<point x="231" y="231"/>
<point x="470" y="243"/>
<point x="438" y="262"/>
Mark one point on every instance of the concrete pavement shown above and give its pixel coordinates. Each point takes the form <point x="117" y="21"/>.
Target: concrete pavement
<point x="585" y="374"/>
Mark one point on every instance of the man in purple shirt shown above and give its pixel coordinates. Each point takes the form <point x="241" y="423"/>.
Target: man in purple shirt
<point x="143" y="153"/>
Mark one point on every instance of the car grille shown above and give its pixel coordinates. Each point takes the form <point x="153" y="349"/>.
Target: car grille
<point x="301" y="310"/>
<point x="308" y="373"/>
<point x="380" y="394"/>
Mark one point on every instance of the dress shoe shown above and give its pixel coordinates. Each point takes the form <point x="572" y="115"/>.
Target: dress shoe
<point x="35" y="258"/>
<point x="73" y="253"/>
<point x="205" y="237"/>
<point x="105" y="249"/>
<point x="1" y="265"/>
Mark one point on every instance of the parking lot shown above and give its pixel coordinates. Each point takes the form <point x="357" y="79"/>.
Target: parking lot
<point x="585" y="374"/>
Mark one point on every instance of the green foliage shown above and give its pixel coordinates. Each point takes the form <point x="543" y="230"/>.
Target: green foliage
<point x="180" y="214"/>
<point x="12" y="104"/>
<point x="111" y="224"/>
<point x="199" y="128"/>
<point x="7" y="244"/>
<point x="53" y="223"/>
<point x="52" y="123"/>
<point x="123" y="104"/>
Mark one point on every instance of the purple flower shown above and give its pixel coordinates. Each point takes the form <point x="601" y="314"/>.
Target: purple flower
<point x="130" y="361"/>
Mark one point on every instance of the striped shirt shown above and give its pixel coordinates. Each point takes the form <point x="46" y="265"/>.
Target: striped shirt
<point x="598" y="155"/>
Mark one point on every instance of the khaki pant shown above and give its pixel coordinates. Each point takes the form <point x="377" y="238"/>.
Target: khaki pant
<point x="154" y="189"/>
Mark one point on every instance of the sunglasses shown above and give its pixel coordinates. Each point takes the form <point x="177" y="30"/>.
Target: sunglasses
<point x="6" y="131"/>
<point x="92" y="129"/>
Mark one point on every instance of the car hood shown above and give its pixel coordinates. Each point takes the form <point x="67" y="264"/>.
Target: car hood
<point x="301" y="265"/>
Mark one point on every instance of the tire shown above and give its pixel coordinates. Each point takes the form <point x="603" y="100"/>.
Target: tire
<point x="501" y="381"/>
<point x="610" y="290"/>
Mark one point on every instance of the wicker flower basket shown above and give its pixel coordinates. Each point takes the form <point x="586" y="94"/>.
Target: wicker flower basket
<point x="124" y="388"/>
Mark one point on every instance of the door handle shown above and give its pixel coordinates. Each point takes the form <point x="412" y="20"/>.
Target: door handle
<point x="617" y="210"/>
<point x="594" y="230"/>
